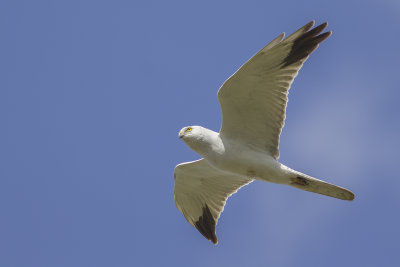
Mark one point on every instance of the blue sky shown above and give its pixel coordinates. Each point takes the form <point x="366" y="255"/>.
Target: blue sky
<point x="93" y="94"/>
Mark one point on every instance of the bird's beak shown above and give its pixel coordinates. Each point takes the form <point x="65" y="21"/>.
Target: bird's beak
<point x="181" y="133"/>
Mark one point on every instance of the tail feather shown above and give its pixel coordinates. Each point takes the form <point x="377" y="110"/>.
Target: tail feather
<point x="308" y="183"/>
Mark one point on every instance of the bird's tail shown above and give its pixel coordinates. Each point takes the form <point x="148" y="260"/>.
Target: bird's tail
<point x="308" y="183"/>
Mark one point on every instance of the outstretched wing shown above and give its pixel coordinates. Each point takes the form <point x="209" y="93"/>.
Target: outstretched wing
<point x="201" y="192"/>
<point x="253" y="100"/>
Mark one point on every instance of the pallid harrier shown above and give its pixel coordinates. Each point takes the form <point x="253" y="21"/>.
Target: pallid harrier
<point x="253" y="102"/>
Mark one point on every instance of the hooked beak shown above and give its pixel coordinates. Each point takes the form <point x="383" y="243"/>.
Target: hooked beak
<point x="181" y="134"/>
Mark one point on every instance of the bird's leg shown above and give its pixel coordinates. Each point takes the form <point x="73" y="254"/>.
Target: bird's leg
<point x="299" y="181"/>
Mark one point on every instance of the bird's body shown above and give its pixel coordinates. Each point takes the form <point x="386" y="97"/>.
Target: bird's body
<point x="237" y="158"/>
<point x="253" y="103"/>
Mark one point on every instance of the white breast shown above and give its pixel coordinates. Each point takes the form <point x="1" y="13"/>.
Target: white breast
<point x="244" y="160"/>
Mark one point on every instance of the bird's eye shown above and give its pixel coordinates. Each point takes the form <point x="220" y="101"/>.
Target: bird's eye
<point x="188" y="129"/>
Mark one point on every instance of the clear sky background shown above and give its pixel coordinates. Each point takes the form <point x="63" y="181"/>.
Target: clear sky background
<point x="93" y="94"/>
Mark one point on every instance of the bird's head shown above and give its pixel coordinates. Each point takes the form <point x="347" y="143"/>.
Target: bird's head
<point x="190" y="133"/>
<point x="198" y="138"/>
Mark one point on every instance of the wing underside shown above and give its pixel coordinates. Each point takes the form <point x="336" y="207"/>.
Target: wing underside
<point x="201" y="192"/>
<point x="253" y="100"/>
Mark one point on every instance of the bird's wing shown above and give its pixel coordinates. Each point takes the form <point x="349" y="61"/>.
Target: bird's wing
<point x="201" y="192"/>
<point x="253" y="100"/>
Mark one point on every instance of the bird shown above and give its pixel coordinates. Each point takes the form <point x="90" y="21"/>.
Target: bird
<point x="253" y="102"/>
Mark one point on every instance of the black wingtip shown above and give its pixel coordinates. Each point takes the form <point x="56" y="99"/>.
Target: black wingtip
<point x="308" y="26"/>
<point x="207" y="225"/>
<point x="315" y="31"/>
<point x="306" y="43"/>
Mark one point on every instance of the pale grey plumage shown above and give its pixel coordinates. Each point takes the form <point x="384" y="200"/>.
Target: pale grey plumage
<point x="253" y="102"/>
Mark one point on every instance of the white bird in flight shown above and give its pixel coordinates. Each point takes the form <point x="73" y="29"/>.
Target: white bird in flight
<point x="253" y="102"/>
